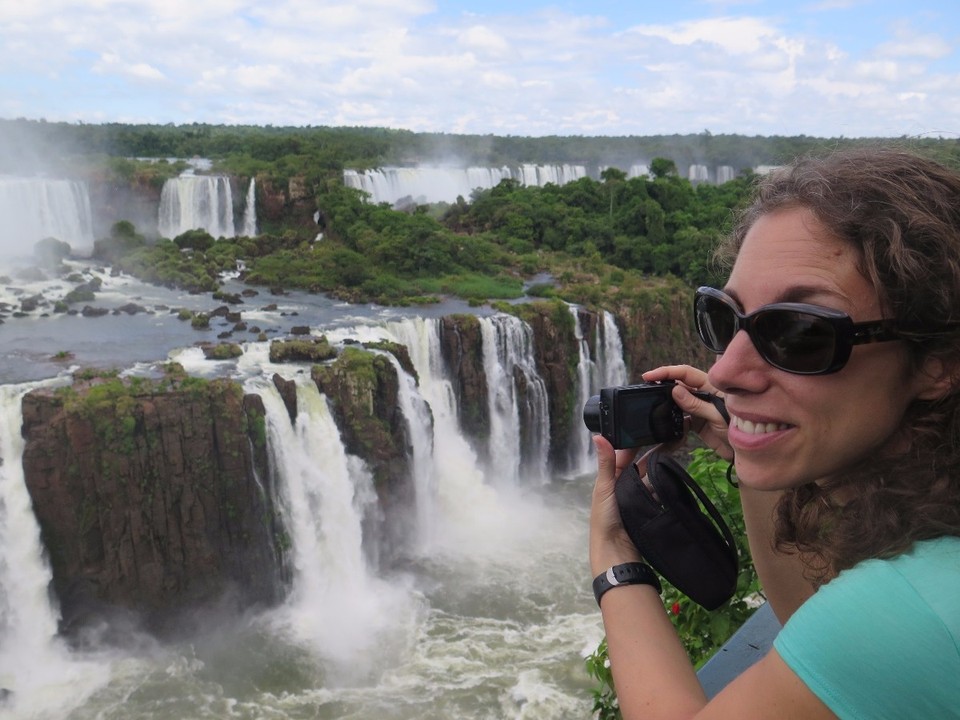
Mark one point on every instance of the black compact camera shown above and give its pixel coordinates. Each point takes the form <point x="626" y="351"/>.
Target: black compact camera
<point x="634" y="415"/>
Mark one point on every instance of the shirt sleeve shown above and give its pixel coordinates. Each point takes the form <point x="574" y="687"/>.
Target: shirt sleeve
<point x="870" y="647"/>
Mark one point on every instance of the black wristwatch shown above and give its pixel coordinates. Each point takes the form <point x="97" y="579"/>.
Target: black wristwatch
<point x="633" y="573"/>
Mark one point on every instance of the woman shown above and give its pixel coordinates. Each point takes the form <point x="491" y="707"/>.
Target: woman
<point x="846" y="442"/>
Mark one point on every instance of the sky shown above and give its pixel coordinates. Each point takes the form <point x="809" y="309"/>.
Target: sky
<point x="824" y="68"/>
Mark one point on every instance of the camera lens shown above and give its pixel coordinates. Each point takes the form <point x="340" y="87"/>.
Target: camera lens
<point x="591" y="414"/>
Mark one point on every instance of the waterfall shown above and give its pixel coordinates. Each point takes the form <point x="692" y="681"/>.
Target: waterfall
<point x="605" y="369"/>
<point x="196" y="202"/>
<point x="250" y="211"/>
<point x="337" y="603"/>
<point x="698" y="173"/>
<point x="725" y="173"/>
<point x="519" y="411"/>
<point x="444" y="184"/>
<point x="33" y="209"/>
<point x="465" y="499"/>
<point x="588" y="380"/>
<point x="419" y="421"/>
<point x="613" y="371"/>
<point x="34" y="663"/>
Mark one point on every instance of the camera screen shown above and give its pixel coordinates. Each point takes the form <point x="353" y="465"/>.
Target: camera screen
<point x="644" y="416"/>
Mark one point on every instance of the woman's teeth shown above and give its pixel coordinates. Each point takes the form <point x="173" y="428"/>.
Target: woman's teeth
<point x="752" y="428"/>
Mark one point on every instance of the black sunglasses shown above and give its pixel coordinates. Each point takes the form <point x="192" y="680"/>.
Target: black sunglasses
<point x="795" y="337"/>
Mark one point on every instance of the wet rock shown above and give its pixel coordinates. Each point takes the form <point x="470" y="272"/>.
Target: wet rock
<point x="288" y="393"/>
<point x="153" y="501"/>
<point x="130" y="309"/>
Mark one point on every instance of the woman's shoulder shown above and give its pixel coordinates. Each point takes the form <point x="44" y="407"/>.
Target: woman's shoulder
<point x="885" y="623"/>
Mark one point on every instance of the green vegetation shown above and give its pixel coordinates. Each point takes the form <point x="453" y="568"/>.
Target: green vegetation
<point x="701" y="632"/>
<point x="313" y="350"/>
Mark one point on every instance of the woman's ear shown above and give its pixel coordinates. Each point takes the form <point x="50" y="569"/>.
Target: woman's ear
<point x="937" y="378"/>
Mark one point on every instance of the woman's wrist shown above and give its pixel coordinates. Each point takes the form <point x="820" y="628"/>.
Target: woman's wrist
<point x="609" y="553"/>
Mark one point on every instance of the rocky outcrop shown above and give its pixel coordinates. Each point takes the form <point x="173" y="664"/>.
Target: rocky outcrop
<point x="292" y="203"/>
<point x="153" y="500"/>
<point x="363" y="388"/>
<point x="657" y="329"/>
<point x="461" y="346"/>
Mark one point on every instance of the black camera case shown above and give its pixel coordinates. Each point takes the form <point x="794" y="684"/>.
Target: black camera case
<point x="692" y="549"/>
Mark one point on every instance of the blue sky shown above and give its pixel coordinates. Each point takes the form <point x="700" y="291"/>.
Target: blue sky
<point x="825" y="68"/>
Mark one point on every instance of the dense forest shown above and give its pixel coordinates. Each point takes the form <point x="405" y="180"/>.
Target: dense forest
<point x="598" y="240"/>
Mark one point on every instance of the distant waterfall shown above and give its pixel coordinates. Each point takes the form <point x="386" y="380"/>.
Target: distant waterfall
<point x="698" y="173"/>
<point x="442" y="184"/>
<point x="519" y="411"/>
<point x="196" y="202"/>
<point x="33" y="209"/>
<point x="250" y="211"/>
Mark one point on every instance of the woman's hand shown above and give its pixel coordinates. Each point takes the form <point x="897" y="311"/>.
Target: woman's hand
<point x="609" y="543"/>
<point x="705" y="420"/>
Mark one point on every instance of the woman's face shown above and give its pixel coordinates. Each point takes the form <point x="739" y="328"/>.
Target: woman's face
<point x="789" y="429"/>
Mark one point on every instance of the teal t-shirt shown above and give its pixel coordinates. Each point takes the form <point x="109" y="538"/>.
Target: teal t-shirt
<point x="882" y="639"/>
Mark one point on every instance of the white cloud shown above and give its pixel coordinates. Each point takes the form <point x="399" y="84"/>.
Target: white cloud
<point x="482" y="39"/>
<point x="908" y="43"/>
<point x="540" y="70"/>
<point x="734" y="35"/>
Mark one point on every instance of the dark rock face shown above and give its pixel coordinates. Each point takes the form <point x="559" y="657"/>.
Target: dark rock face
<point x="659" y="331"/>
<point x="461" y="346"/>
<point x="153" y="502"/>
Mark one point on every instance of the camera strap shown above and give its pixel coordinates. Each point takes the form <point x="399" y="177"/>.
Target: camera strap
<point x="679" y="531"/>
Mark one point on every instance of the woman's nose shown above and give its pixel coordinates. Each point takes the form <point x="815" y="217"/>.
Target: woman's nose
<point x="739" y="366"/>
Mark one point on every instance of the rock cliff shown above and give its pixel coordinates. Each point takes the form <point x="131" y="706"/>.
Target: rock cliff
<point x="153" y="499"/>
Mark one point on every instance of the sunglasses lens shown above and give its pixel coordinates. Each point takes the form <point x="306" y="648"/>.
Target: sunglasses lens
<point x="716" y="322"/>
<point x="795" y="341"/>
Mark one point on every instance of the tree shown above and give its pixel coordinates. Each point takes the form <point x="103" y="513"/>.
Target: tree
<point x="662" y="168"/>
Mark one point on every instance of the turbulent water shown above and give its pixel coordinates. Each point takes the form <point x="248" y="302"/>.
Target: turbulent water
<point x="488" y="615"/>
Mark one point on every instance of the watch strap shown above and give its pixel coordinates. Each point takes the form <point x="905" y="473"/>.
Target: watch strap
<point x="632" y="573"/>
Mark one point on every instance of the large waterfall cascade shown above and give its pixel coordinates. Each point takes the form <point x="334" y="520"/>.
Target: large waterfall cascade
<point x="364" y="624"/>
<point x="425" y="184"/>
<point x="204" y="202"/>
<point x="37" y="208"/>
<point x="445" y="184"/>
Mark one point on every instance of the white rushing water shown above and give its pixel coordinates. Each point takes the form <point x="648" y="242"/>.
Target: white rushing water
<point x="250" y="211"/>
<point x="488" y="615"/>
<point x="444" y="184"/>
<point x="36" y="208"/>
<point x="36" y="667"/>
<point x="196" y="202"/>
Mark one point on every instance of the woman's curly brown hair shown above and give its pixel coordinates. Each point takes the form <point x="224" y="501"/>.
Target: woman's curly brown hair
<point x="902" y="214"/>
